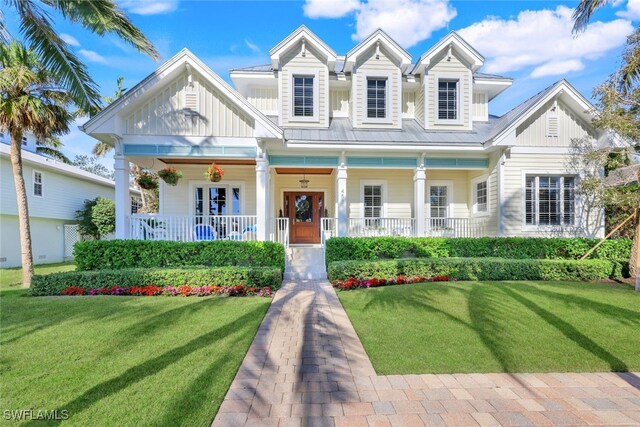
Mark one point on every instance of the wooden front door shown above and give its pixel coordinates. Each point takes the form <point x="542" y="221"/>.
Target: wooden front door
<point x="304" y="210"/>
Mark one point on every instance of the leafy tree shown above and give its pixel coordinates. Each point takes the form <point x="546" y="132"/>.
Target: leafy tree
<point x="31" y="100"/>
<point x="98" y="16"/>
<point x="103" y="216"/>
<point x="618" y="101"/>
<point x="91" y="164"/>
<point x="86" y="226"/>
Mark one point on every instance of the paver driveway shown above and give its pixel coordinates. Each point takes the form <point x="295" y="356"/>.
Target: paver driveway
<point x="307" y="366"/>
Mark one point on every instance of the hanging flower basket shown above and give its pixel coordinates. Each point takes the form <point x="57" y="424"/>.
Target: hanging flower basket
<point x="170" y="175"/>
<point x="214" y="173"/>
<point x="147" y="181"/>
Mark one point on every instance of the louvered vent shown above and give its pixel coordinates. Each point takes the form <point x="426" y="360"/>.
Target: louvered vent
<point x="552" y="124"/>
<point x="191" y="102"/>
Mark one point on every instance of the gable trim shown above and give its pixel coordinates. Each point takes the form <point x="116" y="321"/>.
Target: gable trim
<point x="452" y="39"/>
<point x="377" y="36"/>
<point x="292" y="39"/>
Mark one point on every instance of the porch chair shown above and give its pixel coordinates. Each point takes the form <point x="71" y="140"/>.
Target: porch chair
<point x="249" y="232"/>
<point x="203" y="232"/>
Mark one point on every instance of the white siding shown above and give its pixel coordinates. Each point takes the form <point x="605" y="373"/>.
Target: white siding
<point x="47" y="240"/>
<point x="398" y="192"/>
<point x="460" y="190"/>
<point x="408" y="104"/>
<point x="311" y="62"/>
<point x="533" y="132"/>
<point x="339" y="99"/>
<point x="284" y="183"/>
<point x="377" y="68"/>
<point x="179" y="200"/>
<point x="480" y="107"/>
<point x="264" y="99"/>
<point x="62" y="195"/>
<point x="164" y="113"/>
<point x="455" y="68"/>
<point x="419" y="101"/>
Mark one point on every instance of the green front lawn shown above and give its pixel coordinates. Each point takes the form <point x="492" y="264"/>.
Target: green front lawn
<point x="12" y="277"/>
<point x="497" y="327"/>
<point x="122" y="360"/>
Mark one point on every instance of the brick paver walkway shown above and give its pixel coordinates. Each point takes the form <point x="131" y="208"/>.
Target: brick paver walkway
<point x="307" y="367"/>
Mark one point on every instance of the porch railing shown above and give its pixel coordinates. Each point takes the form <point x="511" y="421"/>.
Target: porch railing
<point x="328" y="229"/>
<point x="369" y="227"/>
<point x="456" y="227"/>
<point x="192" y="228"/>
<point x="280" y="231"/>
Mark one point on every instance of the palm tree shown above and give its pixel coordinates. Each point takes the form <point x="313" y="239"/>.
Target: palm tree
<point x="583" y="12"/>
<point x="51" y="147"/>
<point x="30" y="101"/>
<point x="98" y="16"/>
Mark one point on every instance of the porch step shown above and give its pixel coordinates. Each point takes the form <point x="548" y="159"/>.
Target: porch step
<point x="305" y="263"/>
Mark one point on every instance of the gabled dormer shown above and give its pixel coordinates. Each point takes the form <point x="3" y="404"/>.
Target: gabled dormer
<point x="303" y="61"/>
<point x="445" y="73"/>
<point x="376" y="66"/>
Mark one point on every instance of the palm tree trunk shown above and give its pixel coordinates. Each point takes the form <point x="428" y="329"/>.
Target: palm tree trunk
<point x="23" y="209"/>
<point x="634" y="261"/>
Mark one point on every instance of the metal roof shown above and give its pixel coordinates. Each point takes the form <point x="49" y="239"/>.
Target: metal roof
<point x="490" y="76"/>
<point x="255" y="68"/>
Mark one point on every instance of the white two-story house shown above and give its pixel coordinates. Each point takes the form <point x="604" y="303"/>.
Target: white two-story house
<point x="371" y="142"/>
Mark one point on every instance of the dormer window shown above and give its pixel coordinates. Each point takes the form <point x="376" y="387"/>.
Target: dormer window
<point x="376" y="98"/>
<point x="448" y="99"/>
<point x="303" y="96"/>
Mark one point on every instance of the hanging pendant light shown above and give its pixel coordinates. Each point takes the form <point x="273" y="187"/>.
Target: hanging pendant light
<point x="304" y="182"/>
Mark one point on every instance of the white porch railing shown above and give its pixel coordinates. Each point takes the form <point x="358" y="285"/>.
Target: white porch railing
<point x="328" y="229"/>
<point x="192" y="228"/>
<point x="456" y="227"/>
<point x="280" y="231"/>
<point x="370" y="227"/>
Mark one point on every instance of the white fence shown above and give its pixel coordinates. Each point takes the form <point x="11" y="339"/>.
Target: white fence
<point x="280" y="231"/>
<point x="456" y="227"/>
<point x="369" y="227"/>
<point x="192" y="228"/>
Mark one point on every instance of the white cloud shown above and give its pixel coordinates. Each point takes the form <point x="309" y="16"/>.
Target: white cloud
<point x="92" y="56"/>
<point x="252" y="47"/>
<point x="149" y="7"/>
<point x="70" y="40"/>
<point x="407" y="21"/>
<point x="543" y="39"/>
<point x="632" y="12"/>
<point x="329" y="8"/>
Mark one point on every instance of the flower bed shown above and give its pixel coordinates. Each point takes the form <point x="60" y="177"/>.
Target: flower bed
<point x="352" y="283"/>
<point x="184" y="290"/>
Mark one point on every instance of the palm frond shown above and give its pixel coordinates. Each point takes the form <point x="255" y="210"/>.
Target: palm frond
<point x="104" y="16"/>
<point x="101" y="149"/>
<point x="53" y="153"/>
<point x="4" y="32"/>
<point x="583" y="12"/>
<point x="54" y="54"/>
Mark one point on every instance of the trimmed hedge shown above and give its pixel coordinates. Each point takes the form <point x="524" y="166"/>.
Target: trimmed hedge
<point x="259" y="277"/>
<point x="474" y="269"/>
<point x="372" y="248"/>
<point x="118" y="254"/>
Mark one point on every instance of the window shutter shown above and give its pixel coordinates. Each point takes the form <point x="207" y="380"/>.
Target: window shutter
<point x="191" y="101"/>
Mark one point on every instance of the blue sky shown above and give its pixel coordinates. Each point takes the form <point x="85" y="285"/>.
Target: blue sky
<point x="530" y="41"/>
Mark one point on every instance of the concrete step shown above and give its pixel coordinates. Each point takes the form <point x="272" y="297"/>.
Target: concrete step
<point x="288" y="276"/>
<point x="304" y="269"/>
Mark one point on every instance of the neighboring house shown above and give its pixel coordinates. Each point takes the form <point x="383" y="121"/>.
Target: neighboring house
<point x="55" y="191"/>
<point x="373" y="142"/>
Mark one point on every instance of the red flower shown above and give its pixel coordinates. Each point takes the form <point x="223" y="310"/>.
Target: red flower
<point x="72" y="290"/>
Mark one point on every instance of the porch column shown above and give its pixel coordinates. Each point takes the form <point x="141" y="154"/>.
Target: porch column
<point x="418" y="199"/>
<point x="341" y="196"/>
<point x="262" y="191"/>
<point x="122" y="197"/>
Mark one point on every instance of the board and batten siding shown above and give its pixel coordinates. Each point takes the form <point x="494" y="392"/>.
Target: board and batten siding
<point x="179" y="199"/>
<point x="534" y="131"/>
<point x="165" y="114"/>
<point x="62" y="195"/>
<point x="339" y="100"/>
<point x="480" y="108"/>
<point x="293" y="62"/>
<point x="380" y="67"/>
<point x="454" y="68"/>
<point x="408" y="104"/>
<point x="264" y="99"/>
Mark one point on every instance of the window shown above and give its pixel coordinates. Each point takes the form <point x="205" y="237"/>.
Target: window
<point x="217" y="200"/>
<point x="481" y="197"/>
<point x="376" y="98"/>
<point x="372" y="201"/>
<point x="24" y="140"/>
<point x="448" y="99"/>
<point x="136" y="204"/>
<point x="439" y="201"/>
<point x="303" y="96"/>
<point x="549" y="200"/>
<point x="37" y="183"/>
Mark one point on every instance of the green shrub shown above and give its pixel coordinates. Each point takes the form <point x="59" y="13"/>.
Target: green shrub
<point x="474" y="269"/>
<point x="103" y="215"/>
<point x="372" y="248"/>
<point x="53" y="284"/>
<point x="117" y="254"/>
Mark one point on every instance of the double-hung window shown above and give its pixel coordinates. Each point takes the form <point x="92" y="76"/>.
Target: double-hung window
<point x="303" y="96"/>
<point x="480" y="191"/>
<point x="448" y="99"/>
<point x="37" y="183"/>
<point x="376" y="98"/>
<point x="549" y="200"/>
<point x="372" y="201"/>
